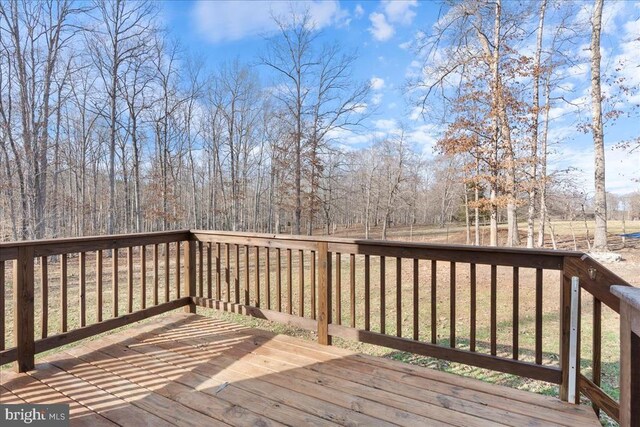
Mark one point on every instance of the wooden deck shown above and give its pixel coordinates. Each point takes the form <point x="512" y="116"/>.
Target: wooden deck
<point x="191" y="370"/>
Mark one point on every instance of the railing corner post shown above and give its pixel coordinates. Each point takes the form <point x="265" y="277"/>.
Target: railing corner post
<point x="23" y="290"/>
<point x="570" y="339"/>
<point x="324" y="293"/>
<point x="189" y="282"/>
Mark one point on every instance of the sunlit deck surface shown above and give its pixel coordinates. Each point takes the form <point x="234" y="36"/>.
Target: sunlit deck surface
<point x="196" y="371"/>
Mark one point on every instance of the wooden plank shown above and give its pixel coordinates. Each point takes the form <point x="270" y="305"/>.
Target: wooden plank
<point x="289" y="283"/>
<point x="399" y="297"/>
<point x="177" y="272"/>
<point x="434" y="301"/>
<point x="516" y="367"/>
<point x="44" y="300"/>
<point x="352" y="287"/>
<point x="156" y="275"/>
<point x="190" y="268"/>
<point x="416" y="300"/>
<point x="82" y="288"/>
<point x="516" y="312"/>
<point x="129" y="279"/>
<point x="99" y="258"/>
<point x="64" y="338"/>
<point x="565" y="315"/>
<point x="278" y="280"/>
<point x="473" y="306"/>
<point x="338" y="298"/>
<point x="143" y="277"/>
<point x="324" y="294"/>
<point x="167" y="273"/>
<point x="260" y="313"/>
<point x="383" y="293"/>
<point x="301" y="283"/>
<point x="23" y="327"/>
<point x="246" y="275"/>
<point x="367" y="293"/>
<point x="494" y="296"/>
<point x="599" y="398"/>
<point x="63" y="293"/>
<point x="452" y="305"/>
<point x="538" y="345"/>
<point x="209" y="272"/>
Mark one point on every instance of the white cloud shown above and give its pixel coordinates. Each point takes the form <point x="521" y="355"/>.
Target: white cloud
<point x="377" y="83"/>
<point x="358" y="11"/>
<point x="400" y="11"/>
<point x="376" y="99"/>
<point x="385" y="124"/>
<point x="227" y="20"/>
<point x="380" y="28"/>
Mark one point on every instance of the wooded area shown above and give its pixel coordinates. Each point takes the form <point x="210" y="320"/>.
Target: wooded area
<point x="108" y="125"/>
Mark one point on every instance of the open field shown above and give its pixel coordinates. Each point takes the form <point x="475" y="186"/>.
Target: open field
<point x="628" y="269"/>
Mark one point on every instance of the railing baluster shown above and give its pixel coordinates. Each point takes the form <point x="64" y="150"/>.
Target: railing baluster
<point x="114" y="282"/>
<point x="82" y="284"/>
<point x="200" y="269"/>
<point x="209" y="272"/>
<point x="267" y="279"/>
<point x="434" y="302"/>
<point x="313" y="285"/>
<point x="256" y="270"/>
<point x="324" y="279"/>
<point x="63" y="293"/>
<point x="143" y="276"/>
<point x="338" y="318"/>
<point x="398" y="296"/>
<point x="516" y="312"/>
<point x="301" y="283"/>
<point x="538" y="316"/>
<point x="218" y="274"/>
<point x="227" y="271"/>
<point x="278" y="280"/>
<point x="493" y="307"/>
<point x="166" y="272"/>
<point x="156" y="276"/>
<point x="416" y="299"/>
<point x="383" y="291"/>
<point x="246" y="275"/>
<point x="352" y="286"/>
<point x="452" y="305"/>
<point x="2" y="304"/>
<point x="472" y="308"/>
<point x="130" y="279"/>
<point x="44" y="289"/>
<point x="236" y="282"/>
<point x="99" y="285"/>
<point x="367" y="293"/>
<point x="177" y="269"/>
<point x="289" y="282"/>
<point x="597" y="346"/>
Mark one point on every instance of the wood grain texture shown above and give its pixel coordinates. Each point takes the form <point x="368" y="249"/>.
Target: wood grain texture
<point x="324" y="294"/>
<point x="23" y="293"/>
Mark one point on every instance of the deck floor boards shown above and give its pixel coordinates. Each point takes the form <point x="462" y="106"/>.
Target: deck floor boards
<point x="190" y="370"/>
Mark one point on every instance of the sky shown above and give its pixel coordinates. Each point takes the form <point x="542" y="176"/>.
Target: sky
<point x="382" y="33"/>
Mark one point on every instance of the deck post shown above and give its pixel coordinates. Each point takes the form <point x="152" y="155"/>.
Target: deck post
<point x="324" y="293"/>
<point x="23" y="278"/>
<point x="573" y="395"/>
<point x="629" y="354"/>
<point x="569" y="338"/>
<point x="189" y="282"/>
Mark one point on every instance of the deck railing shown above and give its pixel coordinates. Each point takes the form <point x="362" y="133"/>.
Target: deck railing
<point x="494" y="311"/>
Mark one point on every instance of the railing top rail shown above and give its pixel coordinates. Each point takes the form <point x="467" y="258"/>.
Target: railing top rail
<point x="394" y="243"/>
<point x="45" y="247"/>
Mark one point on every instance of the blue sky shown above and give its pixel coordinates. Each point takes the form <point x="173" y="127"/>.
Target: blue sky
<point x="381" y="32"/>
